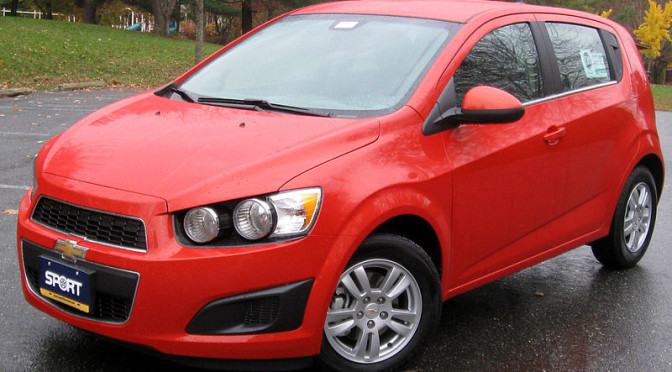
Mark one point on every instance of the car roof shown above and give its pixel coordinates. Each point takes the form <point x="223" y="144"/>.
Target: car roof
<point x="446" y="10"/>
<point x="455" y="11"/>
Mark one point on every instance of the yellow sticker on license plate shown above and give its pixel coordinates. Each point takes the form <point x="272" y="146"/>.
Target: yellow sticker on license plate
<point x="65" y="300"/>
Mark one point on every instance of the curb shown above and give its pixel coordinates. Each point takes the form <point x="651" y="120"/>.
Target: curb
<point x="14" y="92"/>
<point x="84" y="85"/>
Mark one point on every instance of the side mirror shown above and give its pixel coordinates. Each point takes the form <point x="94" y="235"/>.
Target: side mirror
<point x="487" y="105"/>
<point x="481" y="105"/>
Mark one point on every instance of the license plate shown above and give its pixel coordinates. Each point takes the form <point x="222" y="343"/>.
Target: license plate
<point x="66" y="284"/>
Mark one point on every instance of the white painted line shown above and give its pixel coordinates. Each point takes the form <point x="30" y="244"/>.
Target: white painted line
<point x="14" y="187"/>
<point x="25" y="134"/>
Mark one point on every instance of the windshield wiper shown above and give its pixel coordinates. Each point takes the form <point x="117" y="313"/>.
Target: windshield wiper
<point x="173" y="88"/>
<point x="259" y="105"/>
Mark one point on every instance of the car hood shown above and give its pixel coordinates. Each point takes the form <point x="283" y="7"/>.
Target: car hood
<point x="192" y="154"/>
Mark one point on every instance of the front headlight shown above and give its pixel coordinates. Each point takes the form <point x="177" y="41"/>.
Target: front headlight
<point x="253" y="219"/>
<point x="281" y="215"/>
<point x="201" y="224"/>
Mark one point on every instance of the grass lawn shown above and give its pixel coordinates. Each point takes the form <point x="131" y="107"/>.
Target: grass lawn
<point x="41" y="54"/>
<point x="662" y="97"/>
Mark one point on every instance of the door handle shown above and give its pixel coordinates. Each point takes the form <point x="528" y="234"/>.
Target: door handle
<point x="553" y="135"/>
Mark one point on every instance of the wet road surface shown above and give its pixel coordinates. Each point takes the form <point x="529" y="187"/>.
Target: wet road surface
<point x="566" y="314"/>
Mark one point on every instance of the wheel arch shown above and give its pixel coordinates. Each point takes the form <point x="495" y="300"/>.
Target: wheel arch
<point x="418" y="230"/>
<point x="653" y="163"/>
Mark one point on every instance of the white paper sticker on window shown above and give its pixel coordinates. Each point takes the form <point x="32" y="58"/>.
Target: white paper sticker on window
<point x="593" y="64"/>
<point x="346" y="25"/>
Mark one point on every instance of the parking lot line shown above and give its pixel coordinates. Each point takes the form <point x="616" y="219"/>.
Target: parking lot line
<point x="14" y="187"/>
<point x="25" y="134"/>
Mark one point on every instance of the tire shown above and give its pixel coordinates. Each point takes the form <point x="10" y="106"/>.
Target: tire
<point x="633" y="223"/>
<point x="385" y="307"/>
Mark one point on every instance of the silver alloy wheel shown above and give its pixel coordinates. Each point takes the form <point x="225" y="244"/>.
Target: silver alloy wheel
<point x="374" y="312"/>
<point x="637" y="219"/>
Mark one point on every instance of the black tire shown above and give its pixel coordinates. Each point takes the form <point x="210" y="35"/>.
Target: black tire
<point x="369" y="316"/>
<point x="628" y="240"/>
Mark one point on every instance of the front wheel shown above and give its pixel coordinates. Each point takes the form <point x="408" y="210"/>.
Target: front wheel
<point x="633" y="222"/>
<point x="384" y="308"/>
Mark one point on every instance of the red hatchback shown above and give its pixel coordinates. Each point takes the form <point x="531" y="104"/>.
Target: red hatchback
<point x="320" y="186"/>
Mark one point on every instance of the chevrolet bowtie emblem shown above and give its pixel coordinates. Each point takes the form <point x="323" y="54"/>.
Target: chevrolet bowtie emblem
<point x="70" y="250"/>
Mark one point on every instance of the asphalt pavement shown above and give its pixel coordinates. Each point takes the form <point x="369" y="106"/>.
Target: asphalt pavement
<point x="566" y="314"/>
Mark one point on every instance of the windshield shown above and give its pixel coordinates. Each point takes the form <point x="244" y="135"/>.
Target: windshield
<point x="343" y="65"/>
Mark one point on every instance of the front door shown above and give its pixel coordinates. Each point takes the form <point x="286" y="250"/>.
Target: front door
<point x="509" y="179"/>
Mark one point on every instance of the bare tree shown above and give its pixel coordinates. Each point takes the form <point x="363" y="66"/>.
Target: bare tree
<point x="89" y="12"/>
<point x="200" y="25"/>
<point x="13" y="8"/>
<point x="162" y="10"/>
<point x="246" y="13"/>
<point x="45" y="6"/>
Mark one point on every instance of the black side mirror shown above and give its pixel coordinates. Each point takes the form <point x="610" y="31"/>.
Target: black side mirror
<point x="481" y="105"/>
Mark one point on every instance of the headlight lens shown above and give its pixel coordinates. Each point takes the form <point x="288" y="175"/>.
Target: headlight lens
<point x="201" y="224"/>
<point x="296" y="210"/>
<point x="253" y="219"/>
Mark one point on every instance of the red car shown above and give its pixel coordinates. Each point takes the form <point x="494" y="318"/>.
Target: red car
<point x="321" y="185"/>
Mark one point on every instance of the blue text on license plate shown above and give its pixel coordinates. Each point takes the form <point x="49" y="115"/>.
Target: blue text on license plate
<point x="65" y="284"/>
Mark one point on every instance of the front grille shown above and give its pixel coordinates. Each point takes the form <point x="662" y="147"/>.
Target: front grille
<point x="114" y="289"/>
<point x="101" y="227"/>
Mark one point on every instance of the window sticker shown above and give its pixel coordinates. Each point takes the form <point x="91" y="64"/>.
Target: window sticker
<point x="593" y="64"/>
<point x="346" y="25"/>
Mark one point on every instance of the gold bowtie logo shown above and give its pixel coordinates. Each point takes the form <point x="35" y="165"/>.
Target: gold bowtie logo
<point x="70" y="250"/>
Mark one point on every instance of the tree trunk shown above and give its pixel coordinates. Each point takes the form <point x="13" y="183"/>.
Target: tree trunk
<point x="200" y="25"/>
<point x="162" y="10"/>
<point x="89" y="13"/>
<point x="14" y="8"/>
<point x="48" y="14"/>
<point x="246" y="19"/>
<point x="45" y="8"/>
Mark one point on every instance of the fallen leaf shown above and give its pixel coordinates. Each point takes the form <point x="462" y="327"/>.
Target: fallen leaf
<point x="17" y="110"/>
<point x="539" y="294"/>
<point x="10" y="211"/>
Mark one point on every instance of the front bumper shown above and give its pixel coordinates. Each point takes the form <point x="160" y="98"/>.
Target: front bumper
<point x="175" y="283"/>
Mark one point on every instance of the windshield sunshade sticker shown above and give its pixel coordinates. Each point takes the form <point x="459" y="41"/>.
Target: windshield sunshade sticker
<point x="346" y="25"/>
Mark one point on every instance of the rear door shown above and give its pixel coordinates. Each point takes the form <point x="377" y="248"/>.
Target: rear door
<point x="599" y="113"/>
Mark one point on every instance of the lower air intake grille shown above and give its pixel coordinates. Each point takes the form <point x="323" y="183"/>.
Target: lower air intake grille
<point x="261" y="311"/>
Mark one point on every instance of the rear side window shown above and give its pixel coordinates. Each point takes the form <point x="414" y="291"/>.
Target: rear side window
<point x="582" y="58"/>
<point x="507" y="59"/>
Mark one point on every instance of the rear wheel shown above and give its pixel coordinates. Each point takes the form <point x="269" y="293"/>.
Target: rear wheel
<point x="384" y="308"/>
<point x="633" y="222"/>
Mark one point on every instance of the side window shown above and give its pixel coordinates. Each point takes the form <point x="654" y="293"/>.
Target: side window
<point x="507" y="59"/>
<point x="581" y="56"/>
